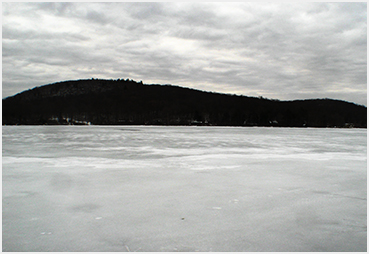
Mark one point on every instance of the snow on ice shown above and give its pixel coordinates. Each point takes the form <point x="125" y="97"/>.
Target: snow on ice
<point x="146" y="188"/>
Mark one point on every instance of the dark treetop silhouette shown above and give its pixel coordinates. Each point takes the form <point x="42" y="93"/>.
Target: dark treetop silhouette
<point x="127" y="102"/>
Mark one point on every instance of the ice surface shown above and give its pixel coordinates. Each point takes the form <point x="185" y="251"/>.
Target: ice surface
<point x="145" y="188"/>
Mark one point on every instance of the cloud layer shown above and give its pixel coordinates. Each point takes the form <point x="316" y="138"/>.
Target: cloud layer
<point x="282" y="51"/>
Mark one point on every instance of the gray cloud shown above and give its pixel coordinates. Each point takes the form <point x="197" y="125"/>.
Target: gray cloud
<point x="283" y="51"/>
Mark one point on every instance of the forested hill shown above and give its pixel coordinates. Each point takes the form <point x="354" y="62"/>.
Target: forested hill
<point x="126" y="102"/>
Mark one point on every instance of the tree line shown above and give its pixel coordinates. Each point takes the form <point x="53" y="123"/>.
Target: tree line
<point x="127" y="102"/>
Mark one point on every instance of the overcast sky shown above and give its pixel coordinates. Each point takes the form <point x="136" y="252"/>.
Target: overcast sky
<point x="280" y="51"/>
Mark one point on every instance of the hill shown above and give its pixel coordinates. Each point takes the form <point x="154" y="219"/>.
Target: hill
<point x="127" y="102"/>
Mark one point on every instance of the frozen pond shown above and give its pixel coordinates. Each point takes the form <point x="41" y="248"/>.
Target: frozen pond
<point x="142" y="188"/>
